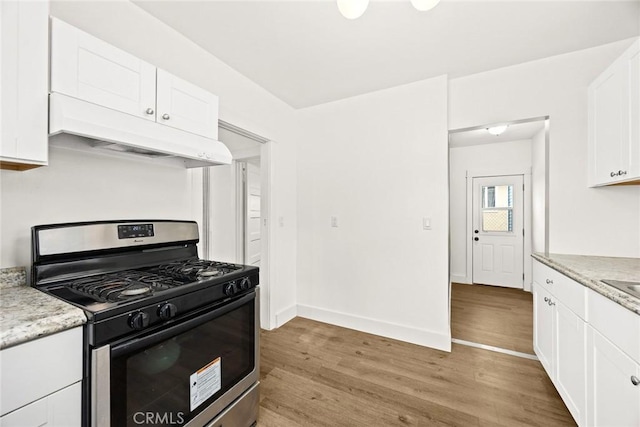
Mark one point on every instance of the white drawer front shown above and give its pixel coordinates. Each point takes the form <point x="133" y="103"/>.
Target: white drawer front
<point x="571" y="293"/>
<point x="619" y="325"/>
<point x="38" y="368"/>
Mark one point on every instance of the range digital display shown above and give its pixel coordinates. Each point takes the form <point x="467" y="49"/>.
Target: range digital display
<point x="135" y="231"/>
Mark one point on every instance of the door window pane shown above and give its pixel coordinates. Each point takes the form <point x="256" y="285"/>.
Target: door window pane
<point x="499" y="196"/>
<point x="497" y="220"/>
<point x="497" y="208"/>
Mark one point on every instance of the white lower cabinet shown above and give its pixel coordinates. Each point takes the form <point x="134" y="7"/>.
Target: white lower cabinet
<point x="614" y="399"/>
<point x="60" y="409"/>
<point x="590" y="348"/>
<point x="543" y="330"/>
<point x="570" y="346"/>
<point x="559" y="341"/>
<point x="40" y="381"/>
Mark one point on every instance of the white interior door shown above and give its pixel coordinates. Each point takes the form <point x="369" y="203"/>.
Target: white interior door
<point x="252" y="233"/>
<point x="498" y="231"/>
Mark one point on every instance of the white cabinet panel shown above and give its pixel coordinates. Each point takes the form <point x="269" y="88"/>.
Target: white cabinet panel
<point x="24" y="42"/>
<point x="570" y="347"/>
<point x="60" y="409"/>
<point x="613" y="399"/>
<point x="543" y="328"/>
<point x="614" y="121"/>
<point x="85" y="67"/>
<point x="186" y="106"/>
<point x="38" y="368"/>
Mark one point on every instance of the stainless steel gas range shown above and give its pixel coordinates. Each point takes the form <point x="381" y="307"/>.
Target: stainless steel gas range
<point x="171" y="339"/>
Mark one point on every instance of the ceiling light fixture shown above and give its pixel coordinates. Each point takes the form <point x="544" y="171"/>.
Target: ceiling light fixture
<point x="353" y="9"/>
<point x="424" y="5"/>
<point x="497" y="130"/>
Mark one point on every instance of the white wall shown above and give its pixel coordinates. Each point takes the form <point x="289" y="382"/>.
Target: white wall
<point x="501" y="158"/>
<point x="86" y="187"/>
<point x="587" y="221"/>
<point x="222" y="234"/>
<point x="379" y="163"/>
<point x="242" y="103"/>
<point x="538" y="190"/>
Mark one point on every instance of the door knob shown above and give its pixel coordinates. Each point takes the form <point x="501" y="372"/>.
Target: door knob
<point x="635" y="380"/>
<point x="476" y="239"/>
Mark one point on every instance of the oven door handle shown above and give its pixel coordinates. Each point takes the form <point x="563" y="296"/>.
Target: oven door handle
<point x="164" y="334"/>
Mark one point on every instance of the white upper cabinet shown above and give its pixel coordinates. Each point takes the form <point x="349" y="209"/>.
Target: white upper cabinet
<point x="614" y="122"/>
<point x="24" y="41"/>
<point x="87" y="68"/>
<point x="185" y="106"/>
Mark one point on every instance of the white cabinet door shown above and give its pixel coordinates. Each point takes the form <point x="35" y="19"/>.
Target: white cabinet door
<point x="571" y="360"/>
<point x="60" y="409"/>
<point x="185" y="106"/>
<point x="543" y="328"/>
<point x="614" y="121"/>
<point x="85" y="67"/>
<point x="24" y="46"/>
<point x="613" y="399"/>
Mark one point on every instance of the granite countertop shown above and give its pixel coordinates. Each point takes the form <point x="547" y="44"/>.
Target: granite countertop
<point x="27" y="313"/>
<point x="588" y="270"/>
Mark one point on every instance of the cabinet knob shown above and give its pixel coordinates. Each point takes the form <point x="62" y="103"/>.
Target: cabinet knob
<point x="546" y="299"/>
<point x="613" y="174"/>
<point x="165" y="116"/>
<point x="634" y="380"/>
<point x="149" y="111"/>
<point x="549" y="282"/>
<point x="622" y="172"/>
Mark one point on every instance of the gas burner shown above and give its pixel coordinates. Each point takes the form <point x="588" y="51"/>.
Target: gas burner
<point x="212" y="272"/>
<point x="135" y="289"/>
<point x="195" y="269"/>
<point x="122" y="286"/>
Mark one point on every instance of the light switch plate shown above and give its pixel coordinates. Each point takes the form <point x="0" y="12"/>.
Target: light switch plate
<point x="426" y="223"/>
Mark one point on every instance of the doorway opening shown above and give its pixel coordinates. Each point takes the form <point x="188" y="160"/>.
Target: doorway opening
<point x="236" y="207"/>
<point x="498" y="217"/>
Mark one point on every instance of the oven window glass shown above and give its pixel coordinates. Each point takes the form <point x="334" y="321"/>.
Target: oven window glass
<point x="156" y="385"/>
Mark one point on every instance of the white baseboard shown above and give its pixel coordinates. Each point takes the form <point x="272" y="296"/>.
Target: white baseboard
<point x="285" y="315"/>
<point x="460" y="279"/>
<point x="422" y="337"/>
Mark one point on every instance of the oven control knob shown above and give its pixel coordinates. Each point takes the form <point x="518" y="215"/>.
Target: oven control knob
<point x="139" y="320"/>
<point x="245" y="284"/>
<point x="230" y="289"/>
<point x="167" y="311"/>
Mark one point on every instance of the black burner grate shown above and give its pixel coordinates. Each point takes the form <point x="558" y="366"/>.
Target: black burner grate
<point x="124" y="285"/>
<point x="194" y="270"/>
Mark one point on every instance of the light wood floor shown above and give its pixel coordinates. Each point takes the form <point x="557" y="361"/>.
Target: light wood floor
<point x="314" y="374"/>
<point x="501" y="317"/>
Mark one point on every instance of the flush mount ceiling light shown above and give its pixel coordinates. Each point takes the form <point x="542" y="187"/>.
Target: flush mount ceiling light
<point x="497" y="130"/>
<point x="424" y="5"/>
<point x="352" y="9"/>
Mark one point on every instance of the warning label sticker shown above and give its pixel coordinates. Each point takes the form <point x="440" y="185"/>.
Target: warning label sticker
<point x="205" y="382"/>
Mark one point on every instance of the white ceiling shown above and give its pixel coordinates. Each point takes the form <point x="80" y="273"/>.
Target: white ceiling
<point x="306" y="53"/>
<point x="515" y="132"/>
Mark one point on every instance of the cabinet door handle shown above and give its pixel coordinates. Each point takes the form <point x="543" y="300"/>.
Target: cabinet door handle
<point x="546" y="299"/>
<point x="165" y="116"/>
<point x="149" y="111"/>
<point x="634" y="380"/>
<point x="549" y="282"/>
<point x="622" y="172"/>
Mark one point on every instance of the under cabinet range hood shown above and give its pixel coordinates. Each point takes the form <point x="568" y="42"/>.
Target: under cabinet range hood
<point x="101" y="128"/>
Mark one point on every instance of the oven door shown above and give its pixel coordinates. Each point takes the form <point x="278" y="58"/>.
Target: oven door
<point x="184" y="374"/>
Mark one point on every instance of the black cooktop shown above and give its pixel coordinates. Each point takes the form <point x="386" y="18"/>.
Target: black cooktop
<point x="106" y="291"/>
